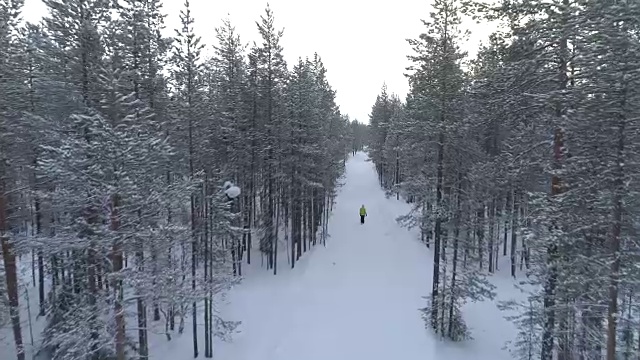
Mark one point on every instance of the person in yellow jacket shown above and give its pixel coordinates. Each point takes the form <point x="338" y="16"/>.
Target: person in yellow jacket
<point x="363" y="213"/>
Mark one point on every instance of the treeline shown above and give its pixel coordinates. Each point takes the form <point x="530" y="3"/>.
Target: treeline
<point x="359" y="135"/>
<point x="529" y="152"/>
<point x="138" y="175"/>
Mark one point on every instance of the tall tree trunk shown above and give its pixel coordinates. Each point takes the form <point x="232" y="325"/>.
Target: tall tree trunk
<point x="194" y="249"/>
<point x="312" y="218"/>
<point x="454" y="270"/>
<point x="325" y="228"/>
<point x="252" y="171"/>
<point x="527" y="221"/>
<point x="275" y="244"/>
<point x="506" y="213"/>
<point x="205" y="260"/>
<point x="304" y="220"/>
<point x="480" y="234"/>
<point x="563" y="348"/>
<point x="499" y="208"/>
<point x="212" y="262"/>
<point x="172" y="313"/>
<point x="298" y="219"/>
<point x="444" y="268"/>
<point x="11" y="273"/>
<point x="437" y="235"/>
<point x="143" y="346"/>
<point x="194" y="240"/>
<point x="514" y="230"/>
<point x="93" y="292"/>
<point x="154" y="262"/>
<point x="549" y="299"/>
<point x="120" y="338"/>
<point x="491" y="244"/>
<point x="397" y="180"/>
<point x="41" y="294"/>
<point x="614" y="239"/>
<point x="429" y="234"/>
<point x="293" y="216"/>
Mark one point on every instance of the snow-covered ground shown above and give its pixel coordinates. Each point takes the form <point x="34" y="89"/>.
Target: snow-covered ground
<point x="33" y="325"/>
<point x="358" y="298"/>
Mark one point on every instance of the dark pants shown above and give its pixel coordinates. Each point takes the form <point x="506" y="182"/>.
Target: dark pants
<point x="361" y="219"/>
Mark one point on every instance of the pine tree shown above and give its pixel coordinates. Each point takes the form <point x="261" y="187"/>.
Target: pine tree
<point x="443" y="86"/>
<point x="11" y="86"/>
<point x="271" y="79"/>
<point x="186" y="73"/>
<point x="228" y="97"/>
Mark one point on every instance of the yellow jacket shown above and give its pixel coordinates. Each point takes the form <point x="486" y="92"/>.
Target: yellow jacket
<point x="363" y="211"/>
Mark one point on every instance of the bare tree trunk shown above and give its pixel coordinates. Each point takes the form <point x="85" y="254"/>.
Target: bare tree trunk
<point x="491" y="245"/>
<point x="563" y="351"/>
<point x="312" y="218"/>
<point x="514" y="229"/>
<point x="33" y="254"/>
<point x="525" y="247"/>
<point x="423" y="227"/>
<point x="212" y="262"/>
<point x="437" y="235"/>
<point x="506" y="213"/>
<point x="9" y="260"/>
<point x="456" y="237"/>
<point x="524" y="218"/>
<point x="143" y="346"/>
<point x="470" y="240"/>
<point x="614" y="240"/>
<point x="207" y="327"/>
<point x="397" y="170"/>
<point x="304" y="220"/>
<point x="41" y="293"/>
<point x="275" y="244"/>
<point x="93" y="293"/>
<point x="326" y="219"/>
<point x="171" y="310"/>
<point x="480" y="234"/>
<point x="293" y="216"/>
<point x="11" y="274"/>
<point x="444" y="268"/>
<point x="429" y="235"/>
<point x="499" y="209"/>
<point x="154" y="261"/>
<point x="194" y="244"/>
<point x="549" y="300"/>
<point x="120" y="339"/>
<point x="247" y="223"/>
<point x="194" y="240"/>
<point x="298" y="219"/>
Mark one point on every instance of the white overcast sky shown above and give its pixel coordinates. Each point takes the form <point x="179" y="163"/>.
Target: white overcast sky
<point x="361" y="42"/>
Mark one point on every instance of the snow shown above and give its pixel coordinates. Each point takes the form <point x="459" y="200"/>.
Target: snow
<point x="30" y="326"/>
<point x="232" y="191"/>
<point x="358" y="298"/>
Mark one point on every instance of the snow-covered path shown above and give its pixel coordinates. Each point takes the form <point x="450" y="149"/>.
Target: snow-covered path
<point x="358" y="298"/>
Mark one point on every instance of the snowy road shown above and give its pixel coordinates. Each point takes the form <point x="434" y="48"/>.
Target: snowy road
<point x="358" y="298"/>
